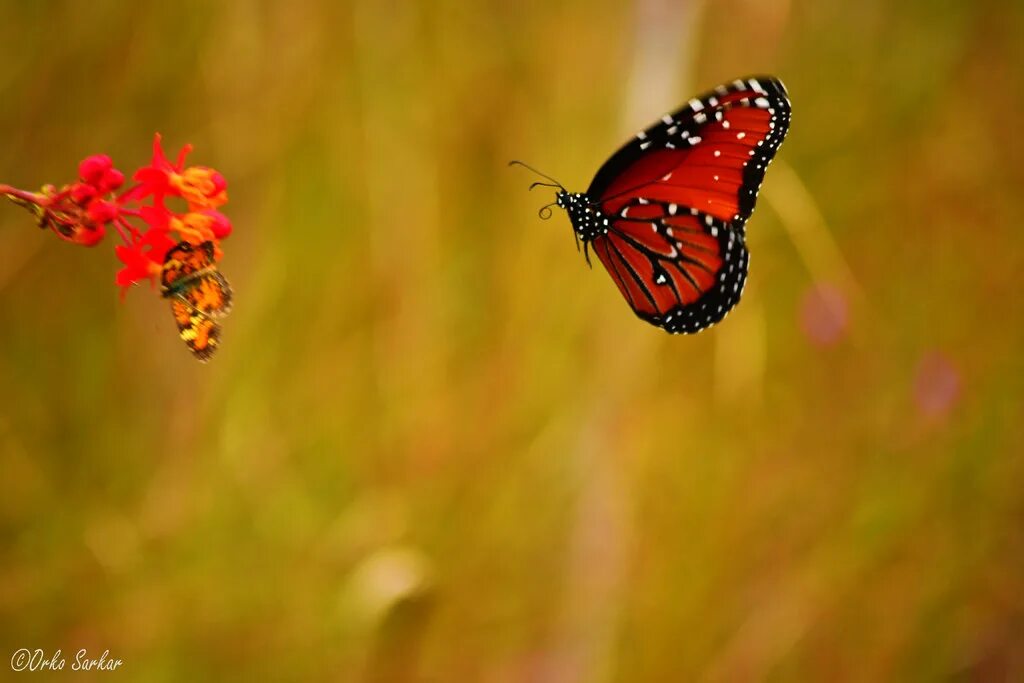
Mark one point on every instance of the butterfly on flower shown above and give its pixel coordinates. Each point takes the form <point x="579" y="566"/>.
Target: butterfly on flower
<point x="199" y="295"/>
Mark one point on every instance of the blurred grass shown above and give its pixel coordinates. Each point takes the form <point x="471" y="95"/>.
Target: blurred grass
<point x="435" y="447"/>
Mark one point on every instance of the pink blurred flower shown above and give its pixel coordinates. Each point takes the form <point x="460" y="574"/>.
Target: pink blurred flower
<point x="936" y="385"/>
<point x="824" y="314"/>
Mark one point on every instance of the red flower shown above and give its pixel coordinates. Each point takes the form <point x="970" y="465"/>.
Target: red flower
<point x="201" y="226"/>
<point x="82" y="193"/>
<point x="81" y="212"/>
<point x="101" y="211"/>
<point x="98" y="172"/>
<point x="157" y="218"/>
<point x="92" y="169"/>
<point x="112" y="180"/>
<point x="144" y="259"/>
<point x="87" y="236"/>
<point x="201" y="187"/>
<point x="155" y="179"/>
<point x="219" y="224"/>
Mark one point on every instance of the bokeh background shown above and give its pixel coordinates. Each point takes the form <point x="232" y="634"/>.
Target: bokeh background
<point x="435" y="447"/>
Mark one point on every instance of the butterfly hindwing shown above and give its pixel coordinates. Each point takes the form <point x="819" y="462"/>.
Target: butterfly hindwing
<point x="682" y="271"/>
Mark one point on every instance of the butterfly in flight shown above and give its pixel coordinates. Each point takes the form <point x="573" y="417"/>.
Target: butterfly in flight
<point x="199" y="295"/>
<point x="666" y="213"/>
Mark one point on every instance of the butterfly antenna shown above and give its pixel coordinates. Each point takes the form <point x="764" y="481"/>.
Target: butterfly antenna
<point x="540" y="184"/>
<point x="542" y="175"/>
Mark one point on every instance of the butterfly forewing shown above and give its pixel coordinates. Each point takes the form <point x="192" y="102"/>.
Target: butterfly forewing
<point x="710" y="155"/>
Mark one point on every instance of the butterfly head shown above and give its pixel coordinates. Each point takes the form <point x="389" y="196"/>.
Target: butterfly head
<point x="585" y="215"/>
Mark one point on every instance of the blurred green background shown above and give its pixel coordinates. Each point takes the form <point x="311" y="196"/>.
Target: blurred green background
<point x="436" y="447"/>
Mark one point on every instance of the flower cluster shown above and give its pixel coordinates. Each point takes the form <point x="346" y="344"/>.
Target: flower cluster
<point x="81" y="212"/>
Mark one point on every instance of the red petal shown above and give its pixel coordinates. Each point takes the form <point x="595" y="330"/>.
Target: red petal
<point x="159" y="159"/>
<point x="159" y="244"/>
<point x="156" y="217"/>
<point x="152" y="177"/>
<point x="181" y="157"/>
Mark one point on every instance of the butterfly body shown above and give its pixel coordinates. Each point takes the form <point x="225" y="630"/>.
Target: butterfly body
<point x="585" y="214"/>
<point x="666" y="214"/>
<point x="199" y="295"/>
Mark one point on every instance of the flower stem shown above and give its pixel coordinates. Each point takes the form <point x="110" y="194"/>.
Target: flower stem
<point x="120" y="224"/>
<point x="21" y="196"/>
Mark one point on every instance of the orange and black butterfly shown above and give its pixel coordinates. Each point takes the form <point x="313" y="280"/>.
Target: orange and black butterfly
<point x="199" y="295"/>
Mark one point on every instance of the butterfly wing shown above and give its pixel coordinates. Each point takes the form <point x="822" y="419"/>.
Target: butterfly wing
<point x="678" y="197"/>
<point x="710" y="155"/>
<point x="679" y="271"/>
<point x="199" y="296"/>
<point x="183" y="261"/>
<point x="199" y="332"/>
